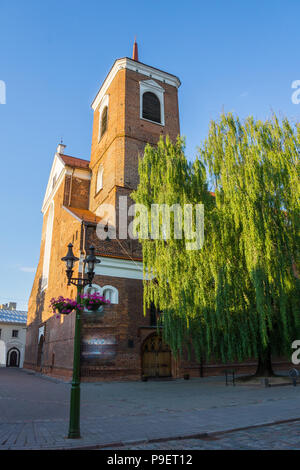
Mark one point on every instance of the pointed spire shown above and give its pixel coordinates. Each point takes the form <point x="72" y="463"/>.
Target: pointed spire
<point x="135" y="54"/>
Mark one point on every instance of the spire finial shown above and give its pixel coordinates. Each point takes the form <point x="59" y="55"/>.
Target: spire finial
<point x="135" y="54"/>
<point x="61" y="147"/>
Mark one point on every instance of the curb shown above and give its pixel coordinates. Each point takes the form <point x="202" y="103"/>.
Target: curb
<point x="175" y="438"/>
<point x="44" y="376"/>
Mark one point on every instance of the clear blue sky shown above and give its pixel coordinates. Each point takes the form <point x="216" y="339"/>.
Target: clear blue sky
<point x="235" y="55"/>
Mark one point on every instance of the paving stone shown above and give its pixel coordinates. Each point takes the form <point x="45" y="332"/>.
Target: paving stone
<point x="39" y="416"/>
<point x="287" y="437"/>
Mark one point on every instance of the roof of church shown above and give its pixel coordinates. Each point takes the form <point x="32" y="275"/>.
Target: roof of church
<point x="13" y="316"/>
<point x="74" y="161"/>
<point x="138" y="66"/>
<point x="151" y="67"/>
<point x="84" y="214"/>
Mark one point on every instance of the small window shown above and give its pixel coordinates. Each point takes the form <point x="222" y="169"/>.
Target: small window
<point x="111" y="294"/>
<point x="15" y="333"/>
<point x="151" y="107"/>
<point x="108" y="294"/>
<point x="153" y="315"/>
<point x="103" y="122"/>
<point x="99" y="182"/>
<point x="93" y="289"/>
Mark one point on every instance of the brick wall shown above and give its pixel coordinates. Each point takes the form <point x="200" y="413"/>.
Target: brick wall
<point x="76" y="193"/>
<point x="64" y="231"/>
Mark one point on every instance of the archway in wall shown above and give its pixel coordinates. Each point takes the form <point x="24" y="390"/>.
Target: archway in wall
<point x="156" y="357"/>
<point x="13" y="358"/>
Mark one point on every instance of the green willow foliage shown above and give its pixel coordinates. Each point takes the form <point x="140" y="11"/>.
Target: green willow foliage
<point x="238" y="296"/>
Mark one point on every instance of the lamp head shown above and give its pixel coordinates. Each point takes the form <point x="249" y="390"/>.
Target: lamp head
<point x="70" y="259"/>
<point x="90" y="262"/>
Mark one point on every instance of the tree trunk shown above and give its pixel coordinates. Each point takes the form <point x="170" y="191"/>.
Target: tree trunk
<point x="264" y="366"/>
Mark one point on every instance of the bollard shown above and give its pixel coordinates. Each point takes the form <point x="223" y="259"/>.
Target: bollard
<point x="294" y="373"/>
<point x="265" y="382"/>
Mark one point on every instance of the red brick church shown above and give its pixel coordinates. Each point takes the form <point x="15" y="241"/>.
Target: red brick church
<point x="135" y="105"/>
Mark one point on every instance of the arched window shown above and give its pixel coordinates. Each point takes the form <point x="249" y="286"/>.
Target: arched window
<point x="103" y="116"/>
<point x="151" y="107"/>
<point x="99" y="183"/>
<point x="111" y="294"/>
<point x="92" y="289"/>
<point x="103" y="125"/>
<point x="47" y="249"/>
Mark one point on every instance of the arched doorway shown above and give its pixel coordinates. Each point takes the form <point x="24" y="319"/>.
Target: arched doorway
<point x="13" y="358"/>
<point x="156" y="357"/>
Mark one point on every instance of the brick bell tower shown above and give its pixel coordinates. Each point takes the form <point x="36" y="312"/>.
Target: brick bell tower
<point x="135" y="105"/>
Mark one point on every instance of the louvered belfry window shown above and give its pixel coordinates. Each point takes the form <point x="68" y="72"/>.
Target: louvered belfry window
<point x="104" y="121"/>
<point x="151" y="107"/>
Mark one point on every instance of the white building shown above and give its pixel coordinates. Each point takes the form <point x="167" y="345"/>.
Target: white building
<point x="12" y="337"/>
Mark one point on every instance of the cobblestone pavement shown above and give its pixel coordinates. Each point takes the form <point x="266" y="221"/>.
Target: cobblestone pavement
<point x="34" y="410"/>
<point x="277" y="437"/>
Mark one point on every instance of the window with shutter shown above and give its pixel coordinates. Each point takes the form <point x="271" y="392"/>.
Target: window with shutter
<point x="151" y="107"/>
<point x="99" y="183"/>
<point x="111" y="294"/>
<point x="103" y="121"/>
<point x="108" y="294"/>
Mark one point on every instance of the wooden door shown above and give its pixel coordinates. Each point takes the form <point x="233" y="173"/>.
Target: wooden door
<point x="156" y="358"/>
<point x="164" y="363"/>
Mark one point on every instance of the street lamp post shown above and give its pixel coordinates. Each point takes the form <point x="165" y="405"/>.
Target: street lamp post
<point x="80" y="283"/>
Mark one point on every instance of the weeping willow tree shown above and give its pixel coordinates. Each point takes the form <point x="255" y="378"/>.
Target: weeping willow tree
<point x="238" y="296"/>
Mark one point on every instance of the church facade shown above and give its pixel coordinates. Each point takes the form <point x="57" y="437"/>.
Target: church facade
<point x="135" y="105"/>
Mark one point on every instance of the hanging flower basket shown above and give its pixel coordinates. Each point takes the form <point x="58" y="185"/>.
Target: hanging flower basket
<point x="94" y="302"/>
<point x="64" y="306"/>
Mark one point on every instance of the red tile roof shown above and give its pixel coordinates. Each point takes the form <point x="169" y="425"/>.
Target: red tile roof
<point x="84" y="214"/>
<point x="75" y="162"/>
